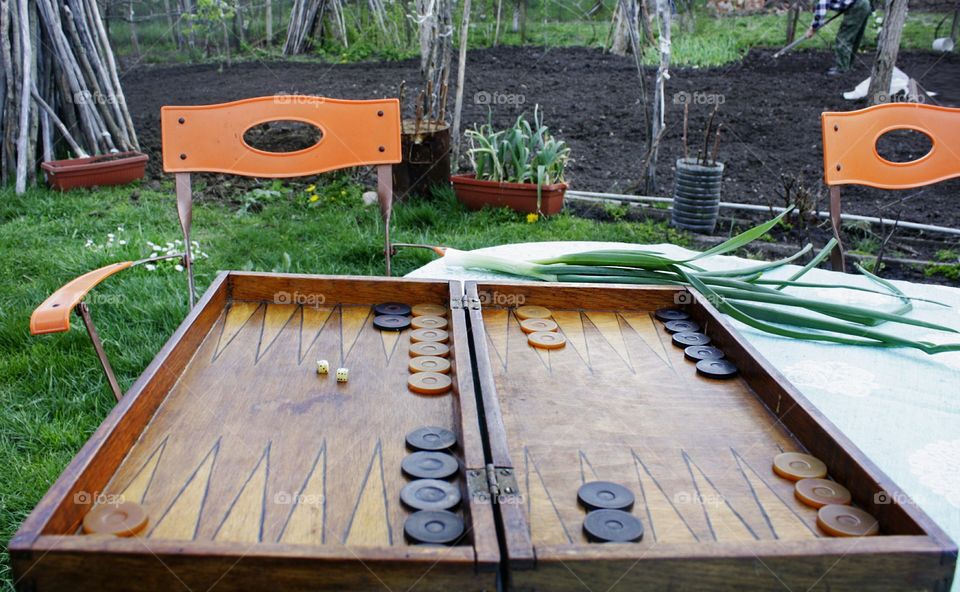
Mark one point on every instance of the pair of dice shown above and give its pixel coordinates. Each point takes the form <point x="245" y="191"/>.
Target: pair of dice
<point x="323" y="367"/>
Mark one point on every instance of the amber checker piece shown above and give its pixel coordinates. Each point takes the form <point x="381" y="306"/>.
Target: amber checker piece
<point x="618" y="352"/>
<point x="152" y="433"/>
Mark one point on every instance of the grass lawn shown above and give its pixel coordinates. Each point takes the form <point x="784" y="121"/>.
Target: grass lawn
<point x="52" y="390"/>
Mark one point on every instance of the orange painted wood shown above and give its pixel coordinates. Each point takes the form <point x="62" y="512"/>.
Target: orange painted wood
<point x="850" y="154"/>
<point x="209" y="138"/>
<point x="53" y="315"/>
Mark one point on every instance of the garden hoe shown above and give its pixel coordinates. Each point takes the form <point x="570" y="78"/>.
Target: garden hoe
<point x="803" y="38"/>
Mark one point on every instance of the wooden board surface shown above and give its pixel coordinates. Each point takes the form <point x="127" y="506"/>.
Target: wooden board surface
<point x="619" y="403"/>
<point x="252" y="445"/>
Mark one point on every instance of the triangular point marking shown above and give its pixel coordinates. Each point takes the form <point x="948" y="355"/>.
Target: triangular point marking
<point x="237" y="315"/>
<point x="370" y="522"/>
<point x="181" y="519"/>
<point x="244" y="519"/>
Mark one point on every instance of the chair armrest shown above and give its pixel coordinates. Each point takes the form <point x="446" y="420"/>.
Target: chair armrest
<point x="53" y="316"/>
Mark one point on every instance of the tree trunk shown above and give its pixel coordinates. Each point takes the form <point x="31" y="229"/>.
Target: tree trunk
<point x="268" y="21"/>
<point x="895" y="15"/>
<point x="26" y="73"/>
<point x="793" y="17"/>
<point x="955" y="26"/>
<point x="134" y="40"/>
<point x="659" y="93"/>
<point x="461" y="70"/>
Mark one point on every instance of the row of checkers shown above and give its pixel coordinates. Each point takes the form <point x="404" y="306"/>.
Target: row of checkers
<point x="430" y="494"/>
<point x="685" y="333"/>
<point x="429" y="353"/>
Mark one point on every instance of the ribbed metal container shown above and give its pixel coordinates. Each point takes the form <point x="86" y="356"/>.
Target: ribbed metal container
<point x="696" y="195"/>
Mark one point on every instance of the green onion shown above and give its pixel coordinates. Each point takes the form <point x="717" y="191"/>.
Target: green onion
<point x="744" y="293"/>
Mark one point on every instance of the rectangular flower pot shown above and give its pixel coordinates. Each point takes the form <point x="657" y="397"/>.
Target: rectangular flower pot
<point x="521" y="197"/>
<point x="102" y="170"/>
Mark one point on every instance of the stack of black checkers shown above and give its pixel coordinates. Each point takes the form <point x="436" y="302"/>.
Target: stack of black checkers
<point x="696" y="346"/>
<point x="608" y="513"/>
<point x="391" y="316"/>
<point x="430" y="493"/>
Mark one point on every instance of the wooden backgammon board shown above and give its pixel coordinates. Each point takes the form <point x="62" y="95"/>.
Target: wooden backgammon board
<point x="537" y="437"/>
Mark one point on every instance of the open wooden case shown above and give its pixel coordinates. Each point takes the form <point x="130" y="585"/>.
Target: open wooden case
<point x="258" y="474"/>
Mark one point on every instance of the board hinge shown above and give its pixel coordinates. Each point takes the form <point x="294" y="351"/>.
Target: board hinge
<point x="493" y="484"/>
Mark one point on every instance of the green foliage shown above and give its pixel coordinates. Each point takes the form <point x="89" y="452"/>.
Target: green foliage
<point x="523" y="153"/>
<point x="948" y="265"/>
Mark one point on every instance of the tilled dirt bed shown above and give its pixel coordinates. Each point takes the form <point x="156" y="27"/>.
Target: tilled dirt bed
<point x="770" y="114"/>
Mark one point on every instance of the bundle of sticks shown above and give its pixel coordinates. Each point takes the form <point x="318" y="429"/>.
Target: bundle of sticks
<point x="59" y="89"/>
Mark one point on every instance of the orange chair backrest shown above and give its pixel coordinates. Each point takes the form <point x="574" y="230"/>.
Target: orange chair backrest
<point x="850" y="154"/>
<point x="209" y="138"/>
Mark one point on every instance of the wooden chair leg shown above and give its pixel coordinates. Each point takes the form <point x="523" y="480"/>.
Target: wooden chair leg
<point x="836" y="257"/>
<point x="185" y="213"/>
<point x="385" y="197"/>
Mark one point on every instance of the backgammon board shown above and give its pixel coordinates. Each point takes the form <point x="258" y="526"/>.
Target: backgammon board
<point x="256" y="470"/>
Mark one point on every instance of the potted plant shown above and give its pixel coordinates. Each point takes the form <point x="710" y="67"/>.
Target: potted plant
<point x="520" y="168"/>
<point x="89" y="171"/>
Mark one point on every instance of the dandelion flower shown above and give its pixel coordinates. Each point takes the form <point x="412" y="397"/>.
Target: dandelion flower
<point x="531" y="218"/>
<point x="314" y="197"/>
<point x="311" y="188"/>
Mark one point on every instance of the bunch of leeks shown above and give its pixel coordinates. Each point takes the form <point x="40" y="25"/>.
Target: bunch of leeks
<point x="744" y="294"/>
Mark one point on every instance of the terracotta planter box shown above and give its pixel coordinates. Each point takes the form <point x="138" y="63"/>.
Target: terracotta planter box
<point x="106" y="169"/>
<point x="521" y="197"/>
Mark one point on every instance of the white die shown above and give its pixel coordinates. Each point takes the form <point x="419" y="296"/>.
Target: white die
<point x="342" y="374"/>
<point x="323" y="367"/>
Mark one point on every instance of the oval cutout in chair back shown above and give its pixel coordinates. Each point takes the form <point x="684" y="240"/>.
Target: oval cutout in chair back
<point x="283" y="136"/>
<point x="904" y="145"/>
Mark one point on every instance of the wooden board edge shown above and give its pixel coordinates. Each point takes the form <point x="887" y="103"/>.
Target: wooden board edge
<point x="517" y="543"/>
<point x="875" y="563"/>
<point x="480" y="512"/>
<point x="846" y="462"/>
<point x="89" y="471"/>
<point x="86" y="563"/>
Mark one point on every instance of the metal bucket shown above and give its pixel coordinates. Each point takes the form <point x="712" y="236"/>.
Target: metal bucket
<point x="696" y="195"/>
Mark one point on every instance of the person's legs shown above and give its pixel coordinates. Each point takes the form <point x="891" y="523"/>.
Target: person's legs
<point x="851" y="33"/>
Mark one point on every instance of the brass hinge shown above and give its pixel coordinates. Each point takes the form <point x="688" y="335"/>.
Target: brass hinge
<point x="493" y="483"/>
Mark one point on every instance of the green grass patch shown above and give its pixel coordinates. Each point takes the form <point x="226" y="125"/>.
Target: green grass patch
<point x="53" y="392"/>
<point x="713" y="41"/>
